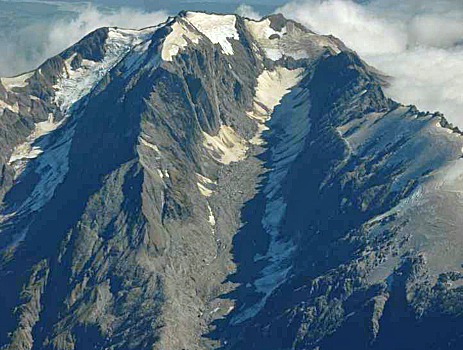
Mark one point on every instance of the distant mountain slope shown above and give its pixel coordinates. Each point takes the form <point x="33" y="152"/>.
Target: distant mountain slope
<point x="221" y="183"/>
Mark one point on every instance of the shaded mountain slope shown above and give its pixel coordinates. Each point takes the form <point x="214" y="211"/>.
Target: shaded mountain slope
<point x="217" y="182"/>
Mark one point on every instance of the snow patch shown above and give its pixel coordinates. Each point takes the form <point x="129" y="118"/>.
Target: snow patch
<point x="267" y="38"/>
<point x="163" y="173"/>
<point x="227" y="147"/>
<point x="206" y="180"/>
<point x="149" y="145"/>
<point x="204" y="184"/>
<point x="29" y="149"/>
<point x="291" y="41"/>
<point x="438" y="125"/>
<point x="137" y="59"/>
<point x="51" y="149"/>
<point x="272" y="86"/>
<point x="52" y="167"/>
<point x="211" y="217"/>
<point x="218" y="28"/>
<point x="292" y="119"/>
<point x="75" y="84"/>
<point x="19" y="81"/>
<point x="206" y="192"/>
<point x="13" y="108"/>
<point x="178" y="40"/>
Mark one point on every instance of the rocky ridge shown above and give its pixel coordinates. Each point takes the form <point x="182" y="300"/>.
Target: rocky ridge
<point x="220" y="182"/>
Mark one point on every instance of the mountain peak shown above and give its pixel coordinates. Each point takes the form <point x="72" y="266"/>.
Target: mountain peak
<point x="274" y="35"/>
<point x="218" y="182"/>
<point x="190" y="26"/>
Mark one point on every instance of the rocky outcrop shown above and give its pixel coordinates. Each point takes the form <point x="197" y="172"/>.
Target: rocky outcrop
<point x="217" y="182"/>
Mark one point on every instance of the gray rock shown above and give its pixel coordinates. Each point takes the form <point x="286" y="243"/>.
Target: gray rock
<point x="151" y="218"/>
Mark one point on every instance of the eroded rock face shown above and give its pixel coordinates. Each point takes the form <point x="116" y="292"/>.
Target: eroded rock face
<point x="216" y="182"/>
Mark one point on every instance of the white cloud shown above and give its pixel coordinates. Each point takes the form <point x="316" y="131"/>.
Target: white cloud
<point x="66" y="33"/>
<point x="248" y="11"/>
<point x="31" y="45"/>
<point x="417" y="42"/>
<point x="358" y="27"/>
<point x="431" y="78"/>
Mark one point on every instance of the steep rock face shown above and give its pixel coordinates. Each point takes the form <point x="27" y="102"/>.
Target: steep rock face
<point x="354" y="198"/>
<point x="217" y="182"/>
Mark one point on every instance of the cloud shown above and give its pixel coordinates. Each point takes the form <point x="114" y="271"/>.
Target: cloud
<point x="431" y="78"/>
<point x="31" y="45"/>
<point x="417" y="42"/>
<point x="359" y="28"/>
<point x="248" y="11"/>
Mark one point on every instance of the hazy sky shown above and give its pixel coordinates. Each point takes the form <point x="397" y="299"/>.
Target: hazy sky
<point x="419" y="43"/>
<point x="33" y="30"/>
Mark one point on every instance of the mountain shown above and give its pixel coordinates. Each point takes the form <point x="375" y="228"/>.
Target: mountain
<point x="222" y="183"/>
